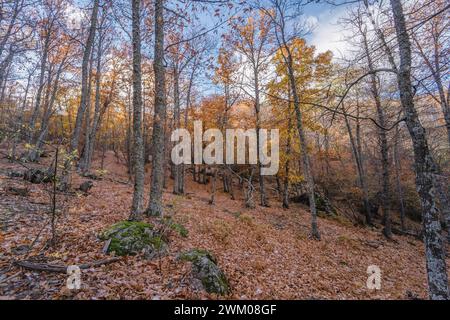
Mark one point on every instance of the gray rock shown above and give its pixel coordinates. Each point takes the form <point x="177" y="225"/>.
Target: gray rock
<point x="205" y="269"/>
<point x="86" y="186"/>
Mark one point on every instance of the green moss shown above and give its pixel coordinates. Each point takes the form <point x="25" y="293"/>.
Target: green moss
<point x="213" y="279"/>
<point x="204" y="266"/>
<point x="195" y="254"/>
<point x="130" y="238"/>
<point x="134" y="226"/>
<point x="157" y="242"/>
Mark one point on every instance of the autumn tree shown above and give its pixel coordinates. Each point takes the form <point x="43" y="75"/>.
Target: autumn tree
<point x="252" y="38"/>
<point x="311" y="70"/>
<point x="280" y="13"/>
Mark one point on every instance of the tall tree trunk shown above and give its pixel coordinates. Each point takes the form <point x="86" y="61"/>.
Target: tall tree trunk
<point x="288" y="155"/>
<point x="263" y="197"/>
<point x="176" y="125"/>
<point x="138" y="143"/>
<point x="360" y="169"/>
<point x="397" y="179"/>
<point x="156" y="188"/>
<point x="424" y="165"/>
<point x="37" y="105"/>
<point x="85" y="78"/>
<point x="39" y="141"/>
<point x="81" y="163"/>
<point x="303" y="146"/>
<point x="89" y="149"/>
<point x="382" y="136"/>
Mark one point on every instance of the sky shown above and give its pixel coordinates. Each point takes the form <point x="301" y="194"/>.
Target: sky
<point x="327" y="34"/>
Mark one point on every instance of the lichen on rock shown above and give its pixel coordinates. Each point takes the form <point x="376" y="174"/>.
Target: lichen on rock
<point x="205" y="269"/>
<point x="131" y="238"/>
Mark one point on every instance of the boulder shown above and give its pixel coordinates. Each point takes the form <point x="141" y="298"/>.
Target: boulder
<point x="205" y="269"/>
<point x="37" y="176"/>
<point x="131" y="238"/>
<point x="86" y="186"/>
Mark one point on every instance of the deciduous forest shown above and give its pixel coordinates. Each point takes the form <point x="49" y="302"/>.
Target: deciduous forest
<point x="347" y="196"/>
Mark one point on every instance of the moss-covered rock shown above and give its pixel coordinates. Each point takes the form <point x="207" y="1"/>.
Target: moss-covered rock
<point x="204" y="267"/>
<point x="130" y="238"/>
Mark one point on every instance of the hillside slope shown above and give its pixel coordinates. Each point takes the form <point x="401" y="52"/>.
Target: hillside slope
<point x="265" y="252"/>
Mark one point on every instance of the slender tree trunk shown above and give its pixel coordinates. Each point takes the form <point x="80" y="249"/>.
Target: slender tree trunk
<point x="397" y="180"/>
<point x="382" y="135"/>
<point x="263" y="197"/>
<point x="249" y="191"/>
<point x="91" y="128"/>
<point x="424" y="165"/>
<point x="138" y="143"/>
<point x="81" y="163"/>
<point x="288" y="155"/>
<point x="43" y="66"/>
<point x="212" y="201"/>
<point x="360" y="169"/>
<point x="39" y="141"/>
<point x="156" y="188"/>
<point x="97" y="111"/>
<point x="176" y="121"/>
<point x="85" y="78"/>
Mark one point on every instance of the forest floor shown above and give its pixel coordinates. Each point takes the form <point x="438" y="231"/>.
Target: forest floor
<point x="265" y="252"/>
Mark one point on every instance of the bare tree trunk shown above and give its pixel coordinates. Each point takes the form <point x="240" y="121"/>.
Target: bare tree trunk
<point x="91" y="128"/>
<point x="73" y="148"/>
<point x="288" y="155"/>
<point x="382" y="135"/>
<point x="442" y="189"/>
<point x="87" y="114"/>
<point x="39" y="141"/>
<point x="214" y="187"/>
<point x="138" y="143"/>
<point x="249" y="191"/>
<point x="303" y="150"/>
<point x="361" y="172"/>
<point x="424" y="165"/>
<point x="43" y="66"/>
<point x="156" y="189"/>
<point x="263" y="197"/>
<point x="85" y="78"/>
<point x="177" y="189"/>
<point x="397" y="180"/>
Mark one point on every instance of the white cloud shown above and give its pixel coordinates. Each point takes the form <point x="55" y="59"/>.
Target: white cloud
<point x="329" y="35"/>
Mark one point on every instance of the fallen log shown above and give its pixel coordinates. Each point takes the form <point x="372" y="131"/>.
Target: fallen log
<point x="45" y="267"/>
